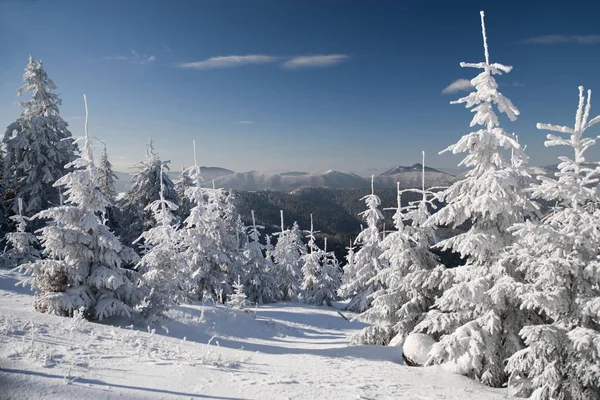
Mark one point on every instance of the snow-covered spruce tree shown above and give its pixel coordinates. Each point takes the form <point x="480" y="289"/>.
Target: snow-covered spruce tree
<point x="258" y="272"/>
<point x="329" y="278"/>
<point x="163" y="266"/>
<point x="134" y="219"/>
<point x="478" y="316"/>
<point x="106" y="177"/>
<point x="359" y="284"/>
<point x="238" y="299"/>
<point x="210" y="238"/>
<point x="23" y="246"/>
<point x="560" y="259"/>
<point x="36" y="153"/>
<point x="311" y="266"/>
<point x="82" y="265"/>
<point x="410" y="279"/>
<point x="287" y="257"/>
<point x="181" y="185"/>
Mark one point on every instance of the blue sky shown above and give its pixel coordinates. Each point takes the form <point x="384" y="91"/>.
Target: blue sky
<point x="297" y="85"/>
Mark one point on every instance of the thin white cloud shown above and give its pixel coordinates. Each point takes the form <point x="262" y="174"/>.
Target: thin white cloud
<point x="229" y="61"/>
<point x="560" y="39"/>
<point x="245" y="122"/>
<point x="323" y="60"/>
<point x="134" y="58"/>
<point x="165" y="47"/>
<point x="459" y="85"/>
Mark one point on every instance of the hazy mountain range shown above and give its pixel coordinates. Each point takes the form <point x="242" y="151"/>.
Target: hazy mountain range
<point x="407" y="176"/>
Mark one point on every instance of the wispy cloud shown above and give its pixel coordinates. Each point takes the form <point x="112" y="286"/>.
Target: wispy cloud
<point x="560" y="39"/>
<point x="165" y="47"/>
<point x="459" y="85"/>
<point x="245" y="122"/>
<point x="293" y="62"/>
<point x="134" y="58"/>
<point x="323" y="60"/>
<point x="229" y="61"/>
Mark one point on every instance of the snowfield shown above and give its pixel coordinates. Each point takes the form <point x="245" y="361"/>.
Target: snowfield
<point x="288" y="350"/>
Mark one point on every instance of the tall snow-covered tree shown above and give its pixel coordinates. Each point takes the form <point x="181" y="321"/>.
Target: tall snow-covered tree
<point x="134" y="218"/>
<point x="163" y="266"/>
<point x="83" y="259"/>
<point x="311" y="265"/>
<point x="410" y="279"/>
<point x="106" y="177"/>
<point x="258" y="278"/>
<point x="22" y="245"/>
<point x="329" y="278"/>
<point x="477" y="316"/>
<point x="559" y="257"/>
<point x="287" y="256"/>
<point x="181" y="185"/>
<point x="35" y="150"/>
<point x="359" y="283"/>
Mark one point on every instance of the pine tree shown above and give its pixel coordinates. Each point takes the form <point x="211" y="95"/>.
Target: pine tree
<point x="163" y="266"/>
<point x="258" y="277"/>
<point x="367" y="262"/>
<point x="329" y="277"/>
<point x="238" y="299"/>
<point x="559" y="258"/>
<point x="22" y="244"/>
<point x="411" y="276"/>
<point x="82" y="268"/>
<point x="287" y="256"/>
<point x="36" y="149"/>
<point x="311" y="265"/>
<point x="134" y="218"/>
<point x="106" y="177"/>
<point x="477" y="316"/>
<point x="184" y="183"/>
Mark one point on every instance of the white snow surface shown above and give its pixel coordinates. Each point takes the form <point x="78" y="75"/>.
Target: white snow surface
<point x="417" y="346"/>
<point x="288" y="351"/>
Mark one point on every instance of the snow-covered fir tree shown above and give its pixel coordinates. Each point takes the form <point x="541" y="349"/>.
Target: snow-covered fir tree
<point x="36" y="152"/>
<point x="329" y="278"/>
<point x="478" y="317"/>
<point x="181" y="185"/>
<point x="83" y="261"/>
<point x="134" y="218"/>
<point x="311" y="264"/>
<point x="358" y="277"/>
<point x="258" y="271"/>
<point x="106" y="177"/>
<point x="411" y="276"/>
<point x="560" y="261"/>
<point x="287" y="256"/>
<point x="22" y="245"/>
<point x="163" y="266"/>
<point x="238" y="298"/>
<point x="211" y="238"/>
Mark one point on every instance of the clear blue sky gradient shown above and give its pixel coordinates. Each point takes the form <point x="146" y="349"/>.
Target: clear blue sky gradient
<point x="379" y="107"/>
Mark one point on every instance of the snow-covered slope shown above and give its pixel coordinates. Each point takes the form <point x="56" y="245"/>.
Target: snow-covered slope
<point x="206" y="351"/>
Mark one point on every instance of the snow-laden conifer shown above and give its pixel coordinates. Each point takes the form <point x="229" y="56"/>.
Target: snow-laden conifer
<point x="559" y="258"/>
<point x="163" y="266"/>
<point x="478" y="316"/>
<point x="329" y="278"/>
<point x="311" y="265"/>
<point x="145" y="189"/>
<point x="238" y="298"/>
<point x="36" y="152"/>
<point x="106" y="177"/>
<point x="258" y="271"/>
<point x="22" y="245"/>
<point x="359" y="283"/>
<point x="287" y="256"/>
<point x="410" y="278"/>
<point x="181" y="185"/>
<point x="83" y="261"/>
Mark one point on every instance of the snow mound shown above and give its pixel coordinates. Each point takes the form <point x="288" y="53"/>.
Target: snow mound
<point x="416" y="348"/>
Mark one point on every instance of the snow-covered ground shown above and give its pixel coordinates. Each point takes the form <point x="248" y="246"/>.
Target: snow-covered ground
<point x="287" y="351"/>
